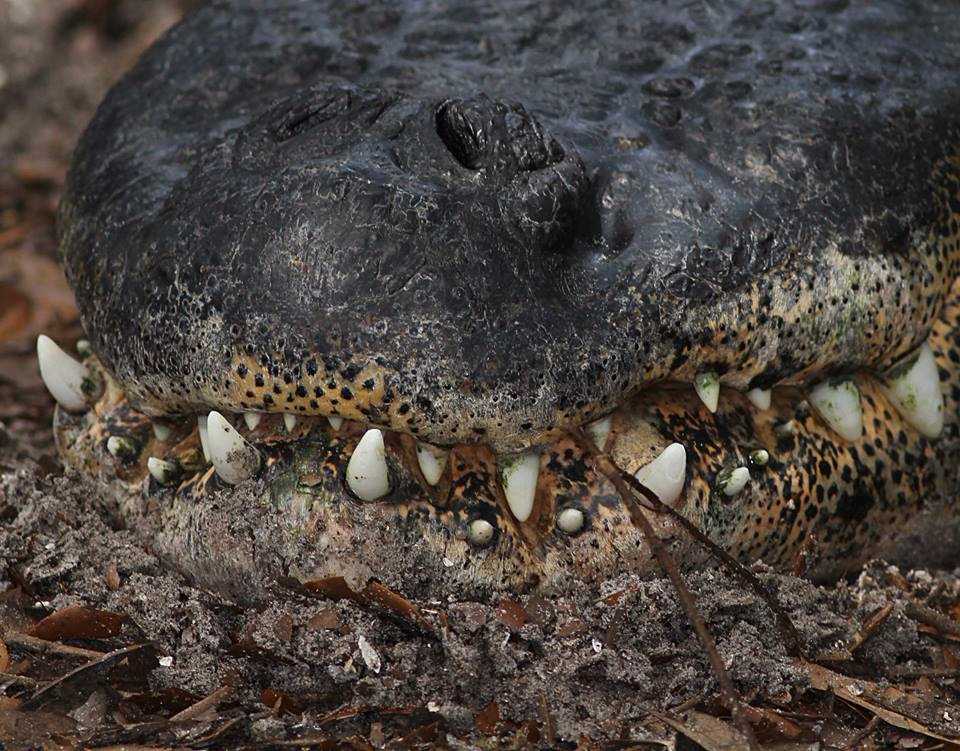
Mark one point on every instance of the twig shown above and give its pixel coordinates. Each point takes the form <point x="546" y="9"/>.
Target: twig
<point x="728" y="694"/>
<point x="862" y="735"/>
<point x="19" y="680"/>
<point x="198" y="708"/>
<point x="788" y="632"/>
<point x="549" y="724"/>
<point x="870" y="627"/>
<point x="931" y="617"/>
<point x="89" y="671"/>
<point x="688" y="704"/>
<point x="33" y="644"/>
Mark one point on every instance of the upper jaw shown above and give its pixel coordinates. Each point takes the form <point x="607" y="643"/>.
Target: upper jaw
<point x="359" y="258"/>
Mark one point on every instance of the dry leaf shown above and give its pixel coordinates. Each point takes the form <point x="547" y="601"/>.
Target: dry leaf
<point x="929" y="717"/>
<point x="706" y="730"/>
<point x="112" y="577"/>
<point x="374" y="593"/>
<point x="283" y="628"/>
<point x="326" y="619"/>
<point x="78" y="623"/>
<point x="488" y="718"/>
<point x="281" y="701"/>
<point x="511" y="614"/>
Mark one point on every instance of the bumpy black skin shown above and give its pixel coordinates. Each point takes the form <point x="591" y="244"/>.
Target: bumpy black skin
<point x="512" y="215"/>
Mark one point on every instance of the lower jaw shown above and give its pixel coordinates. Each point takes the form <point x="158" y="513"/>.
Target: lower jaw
<point x="819" y="502"/>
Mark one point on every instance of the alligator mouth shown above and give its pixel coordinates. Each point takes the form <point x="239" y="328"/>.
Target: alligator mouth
<point x="851" y="461"/>
<point x="386" y="309"/>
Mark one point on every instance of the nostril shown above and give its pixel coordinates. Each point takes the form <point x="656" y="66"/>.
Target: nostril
<point x="501" y="138"/>
<point x="465" y="139"/>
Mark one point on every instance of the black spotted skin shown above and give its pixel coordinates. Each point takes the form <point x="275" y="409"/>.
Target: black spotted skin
<point x="892" y="492"/>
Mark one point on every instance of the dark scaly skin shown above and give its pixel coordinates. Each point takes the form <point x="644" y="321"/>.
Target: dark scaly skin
<point x="310" y="224"/>
<point x="282" y="208"/>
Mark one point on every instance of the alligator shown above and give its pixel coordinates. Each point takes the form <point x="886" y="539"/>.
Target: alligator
<point x="369" y="288"/>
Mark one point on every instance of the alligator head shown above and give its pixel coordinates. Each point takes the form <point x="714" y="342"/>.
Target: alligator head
<point x="373" y="270"/>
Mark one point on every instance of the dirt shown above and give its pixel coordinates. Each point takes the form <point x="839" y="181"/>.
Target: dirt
<point x="593" y="664"/>
<point x="611" y="667"/>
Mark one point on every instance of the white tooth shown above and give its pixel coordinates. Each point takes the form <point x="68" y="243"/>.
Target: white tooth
<point x="519" y="477"/>
<point x="480" y="531"/>
<point x="734" y="481"/>
<point x="120" y="447"/>
<point x="367" y="469"/>
<point x="233" y="458"/>
<point x="760" y="398"/>
<point x="204" y="443"/>
<point x="432" y="460"/>
<point x="252" y="419"/>
<point x="570" y="520"/>
<point x="289" y="421"/>
<point x="707" y="386"/>
<point x="838" y="403"/>
<point x="914" y="389"/>
<point x="63" y="376"/>
<point x="599" y="431"/>
<point x="161" y="432"/>
<point x="162" y="471"/>
<point x="665" y="474"/>
<point x="335" y="421"/>
<point x="785" y="428"/>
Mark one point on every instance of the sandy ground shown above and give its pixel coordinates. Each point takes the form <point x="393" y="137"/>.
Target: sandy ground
<point x="619" y="667"/>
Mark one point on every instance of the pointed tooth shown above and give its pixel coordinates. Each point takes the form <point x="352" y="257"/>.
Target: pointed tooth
<point x="367" y="473"/>
<point x="161" y="432"/>
<point x="786" y="428"/>
<point x="760" y="398"/>
<point x="163" y="471"/>
<point x="519" y="478"/>
<point x="838" y="403"/>
<point x="600" y="431"/>
<point x="733" y="481"/>
<point x="665" y="475"/>
<point x="570" y="520"/>
<point x="233" y="458"/>
<point x="914" y="389"/>
<point x="432" y="461"/>
<point x="480" y="532"/>
<point x="707" y="386"/>
<point x="122" y="447"/>
<point x="289" y="421"/>
<point x="204" y="443"/>
<point x="335" y="421"/>
<point x="252" y="419"/>
<point x="65" y="378"/>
